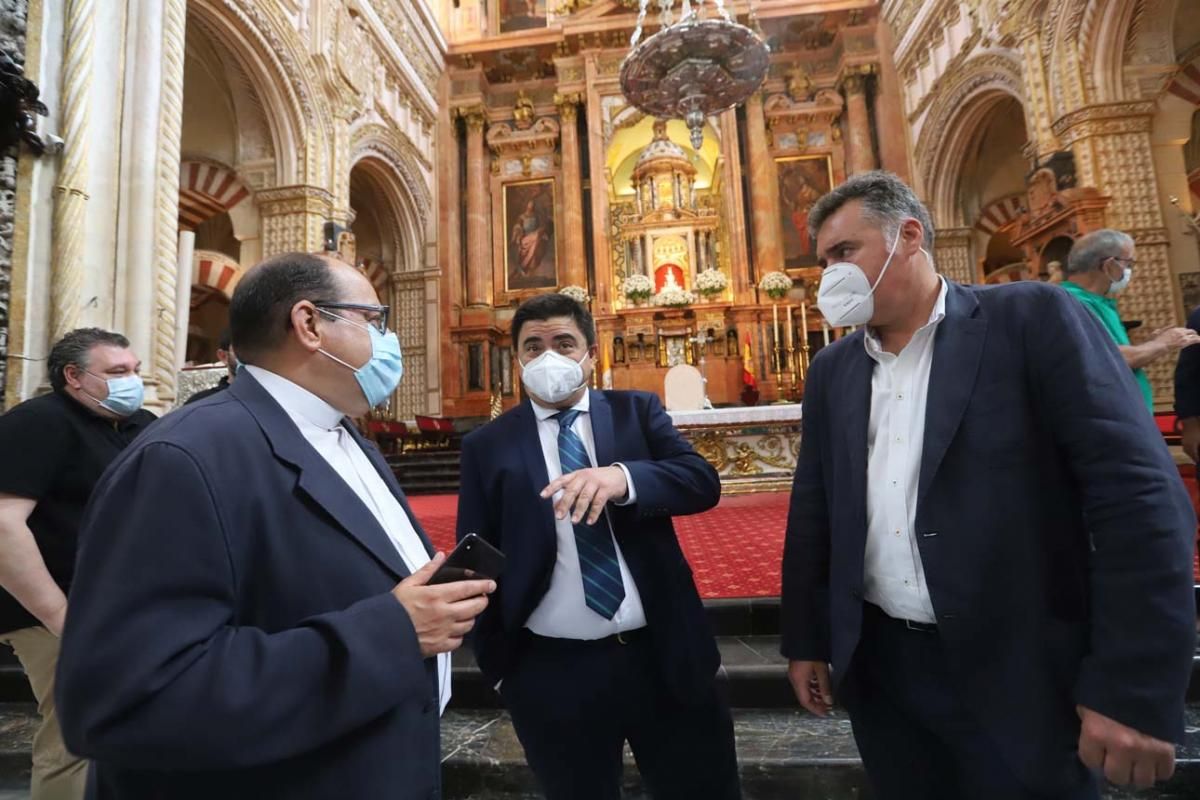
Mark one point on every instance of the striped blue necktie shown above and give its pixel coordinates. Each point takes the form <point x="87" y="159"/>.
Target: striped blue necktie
<point x="603" y="589"/>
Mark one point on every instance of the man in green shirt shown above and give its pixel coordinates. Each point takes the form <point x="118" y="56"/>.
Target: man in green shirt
<point x="1099" y="267"/>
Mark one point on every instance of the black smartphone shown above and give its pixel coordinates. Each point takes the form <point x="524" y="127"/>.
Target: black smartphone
<point x="472" y="558"/>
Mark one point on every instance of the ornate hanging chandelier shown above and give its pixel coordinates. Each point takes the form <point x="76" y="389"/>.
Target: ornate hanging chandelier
<point x="693" y="68"/>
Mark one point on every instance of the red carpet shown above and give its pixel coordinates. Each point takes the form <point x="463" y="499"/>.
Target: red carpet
<point x="735" y="550"/>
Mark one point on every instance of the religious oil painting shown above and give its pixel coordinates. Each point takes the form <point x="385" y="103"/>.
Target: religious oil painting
<point x="522" y="15"/>
<point x="802" y="181"/>
<point x="530" y="260"/>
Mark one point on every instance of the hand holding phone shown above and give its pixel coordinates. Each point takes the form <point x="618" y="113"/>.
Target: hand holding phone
<point x="472" y="558"/>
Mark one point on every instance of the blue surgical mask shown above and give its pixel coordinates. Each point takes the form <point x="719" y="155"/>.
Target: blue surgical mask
<point x="125" y="394"/>
<point x="380" y="376"/>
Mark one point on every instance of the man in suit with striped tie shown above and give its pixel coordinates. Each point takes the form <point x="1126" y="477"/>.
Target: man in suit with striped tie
<point x="596" y="635"/>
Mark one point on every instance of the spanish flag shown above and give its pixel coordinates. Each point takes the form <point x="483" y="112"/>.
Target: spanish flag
<point x="748" y="378"/>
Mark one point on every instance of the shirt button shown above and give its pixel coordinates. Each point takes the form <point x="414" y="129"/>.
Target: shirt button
<point x="897" y="532"/>
<point x="899" y="439"/>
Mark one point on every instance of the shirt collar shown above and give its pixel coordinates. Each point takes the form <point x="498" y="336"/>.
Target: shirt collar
<point x="871" y="341"/>
<point x="544" y="413"/>
<point x="299" y="403"/>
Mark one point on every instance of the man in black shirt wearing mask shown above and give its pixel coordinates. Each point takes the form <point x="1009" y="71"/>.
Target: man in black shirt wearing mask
<point x="56" y="446"/>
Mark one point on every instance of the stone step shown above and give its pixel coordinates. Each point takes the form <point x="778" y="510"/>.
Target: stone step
<point x="782" y="755"/>
<point x="754" y="674"/>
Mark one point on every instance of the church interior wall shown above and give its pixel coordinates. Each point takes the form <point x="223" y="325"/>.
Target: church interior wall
<point x="1094" y="80"/>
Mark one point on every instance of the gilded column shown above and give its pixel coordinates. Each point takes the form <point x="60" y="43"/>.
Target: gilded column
<point x="479" y="209"/>
<point x="861" y="155"/>
<point x="575" y="268"/>
<point x="952" y="254"/>
<point x="70" y="194"/>
<point x="1038" y="115"/>
<point x="1114" y="142"/>
<point x="293" y="218"/>
<point x="764" y="194"/>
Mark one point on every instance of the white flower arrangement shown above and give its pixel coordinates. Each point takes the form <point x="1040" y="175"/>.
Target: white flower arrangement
<point x="576" y="293"/>
<point x="711" y="282"/>
<point x="674" y="297"/>
<point x="637" y="287"/>
<point x="776" y="284"/>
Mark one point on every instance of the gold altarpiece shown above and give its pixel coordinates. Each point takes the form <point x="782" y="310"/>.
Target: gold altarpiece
<point x="550" y="180"/>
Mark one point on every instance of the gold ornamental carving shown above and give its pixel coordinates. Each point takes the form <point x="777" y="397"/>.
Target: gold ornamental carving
<point x="541" y="137"/>
<point x="743" y="456"/>
<point x="567" y="104"/>
<point x="799" y="84"/>
<point x="475" y="116"/>
<point x="355" y="53"/>
<point x="1113" y="118"/>
<point x="523" y="111"/>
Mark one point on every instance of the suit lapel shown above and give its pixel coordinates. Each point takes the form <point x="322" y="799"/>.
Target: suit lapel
<point x="535" y="464"/>
<point x="602" y="428"/>
<point x="316" y="478"/>
<point x="855" y="387"/>
<point x="957" y="350"/>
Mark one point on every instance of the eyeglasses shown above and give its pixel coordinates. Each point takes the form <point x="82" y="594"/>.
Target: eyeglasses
<point x="1130" y="262"/>
<point x="379" y="322"/>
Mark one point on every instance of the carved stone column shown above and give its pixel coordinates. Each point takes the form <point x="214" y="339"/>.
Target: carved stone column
<point x="1113" y="149"/>
<point x="71" y="193"/>
<point x="575" y="268"/>
<point x="148" y="220"/>
<point x="293" y="218"/>
<point x="861" y="155"/>
<point x="952" y="254"/>
<point x="764" y="192"/>
<point x="479" y="213"/>
<point x="1038" y="115"/>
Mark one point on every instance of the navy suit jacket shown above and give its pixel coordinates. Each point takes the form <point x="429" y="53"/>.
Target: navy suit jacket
<point x="232" y="631"/>
<point x="1187" y="374"/>
<point x="503" y="470"/>
<point x="1054" y="530"/>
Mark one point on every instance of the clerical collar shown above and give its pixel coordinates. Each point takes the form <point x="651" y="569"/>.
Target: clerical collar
<point x="299" y="403"/>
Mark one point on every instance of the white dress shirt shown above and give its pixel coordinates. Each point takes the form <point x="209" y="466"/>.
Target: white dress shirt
<point x="321" y="426"/>
<point x="563" y="613"/>
<point x="893" y="576"/>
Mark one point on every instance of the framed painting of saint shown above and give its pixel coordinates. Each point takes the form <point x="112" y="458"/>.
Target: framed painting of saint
<point x="522" y="15"/>
<point x="530" y="252"/>
<point x="802" y="181"/>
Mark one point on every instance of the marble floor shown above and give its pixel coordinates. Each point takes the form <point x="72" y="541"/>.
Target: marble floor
<point x="784" y="754"/>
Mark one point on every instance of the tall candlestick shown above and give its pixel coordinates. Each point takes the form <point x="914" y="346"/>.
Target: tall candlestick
<point x="789" y="327"/>
<point x="803" y="323"/>
<point x="775" y="324"/>
<point x="825" y="331"/>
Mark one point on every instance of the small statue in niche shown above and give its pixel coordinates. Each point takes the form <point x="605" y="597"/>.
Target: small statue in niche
<point x="523" y="110"/>
<point x="799" y="84"/>
<point x="618" y="349"/>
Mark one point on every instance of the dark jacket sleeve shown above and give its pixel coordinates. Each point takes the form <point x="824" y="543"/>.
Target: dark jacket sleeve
<point x="1187" y="375"/>
<point x="1142" y="605"/>
<point x="155" y="669"/>
<point x="475" y="516"/>
<point x="804" y="607"/>
<point x="675" y="480"/>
